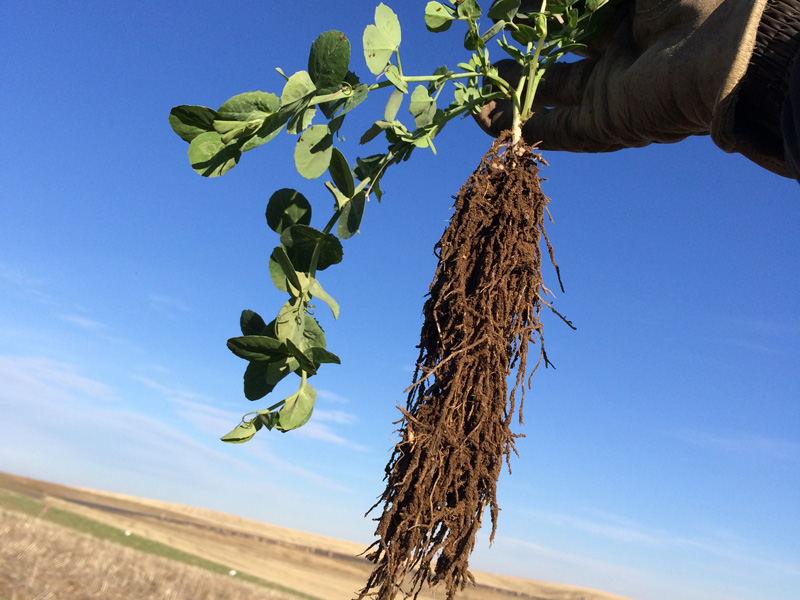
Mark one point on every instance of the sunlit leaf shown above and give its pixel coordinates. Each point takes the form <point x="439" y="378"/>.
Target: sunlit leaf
<point x="438" y="17"/>
<point x="315" y="289"/>
<point x="393" y="74"/>
<point x="210" y="157"/>
<point x="297" y="87"/>
<point x="468" y="9"/>
<point x="242" y="433"/>
<point x="382" y="39"/>
<point x="312" y="154"/>
<point x="422" y="106"/>
<point x="393" y="105"/>
<point x="297" y="410"/>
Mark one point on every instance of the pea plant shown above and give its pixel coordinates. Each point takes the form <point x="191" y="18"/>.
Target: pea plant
<point x="312" y="106"/>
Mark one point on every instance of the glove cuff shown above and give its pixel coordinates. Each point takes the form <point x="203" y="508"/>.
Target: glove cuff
<point x="747" y="115"/>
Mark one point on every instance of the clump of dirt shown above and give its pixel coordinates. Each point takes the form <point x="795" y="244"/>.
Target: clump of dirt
<point x="482" y="313"/>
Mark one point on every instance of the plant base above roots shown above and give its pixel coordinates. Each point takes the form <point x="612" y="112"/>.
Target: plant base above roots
<point x="482" y="313"/>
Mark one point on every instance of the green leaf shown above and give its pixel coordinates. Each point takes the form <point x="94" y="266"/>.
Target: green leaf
<point x="256" y="347"/>
<point x="306" y="364"/>
<point x="282" y="270"/>
<point x="210" y="157"/>
<point x="312" y="154"/>
<point x="323" y="356"/>
<point x="190" y="121"/>
<point x="297" y="410"/>
<point x="243" y="432"/>
<point x="357" y="97"/>
<point x="341" y="174"/>
<point x="370" y="167"/>
<point x="289" y="324"/>
<point x="287" y="207"/>
<point x="504" y="10"/>
<point x="244" y="114"/>
<point x="329" y="59"/>
<point x="422" y="106"/>
<point x="338" y="196"/>
<point x="277" y="274"/>
<point x="315" y="289"/>
<point x="251" y="323"/>
<point x="382" y="39"/>
<point x="443" y="73"/>
<point x="493" y="31"/>
<point x="393" y="74"/>
<point x="388" y="24"/>
<point x="469" y="10"/>
<point x="297" y="87"/>
<point x="301" y="241"/>
<point x="301" y="119"/>
<point x="270" y="129"/>
<point x="438" y="17"/>
<point x="524" y="34"/>
<point x="267" y="418"/>
<point x="248" y="106"/>
<point x="313" y="335"/>
<point x="256" y="385"/>
<point x="593" y="5"/>
<point x="352" y="213"/>
<point x="371" y="133"/>
<point x="393" y="105"/>
<point x="295" y="99"/>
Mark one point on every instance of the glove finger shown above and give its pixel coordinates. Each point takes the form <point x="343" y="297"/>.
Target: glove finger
<point x="564" y="84"/>
<point x="495" y="117"/>
<point x="564" y="129"/>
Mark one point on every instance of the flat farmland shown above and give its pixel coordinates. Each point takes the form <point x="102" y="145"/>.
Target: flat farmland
<point x="78" y="548"/>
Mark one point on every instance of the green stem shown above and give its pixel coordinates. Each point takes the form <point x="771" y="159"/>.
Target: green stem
<point x="397" y="58"/>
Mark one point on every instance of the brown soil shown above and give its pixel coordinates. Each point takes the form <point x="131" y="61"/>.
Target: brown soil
<point x="481" y="316"/>
<point x="313" y="565"/>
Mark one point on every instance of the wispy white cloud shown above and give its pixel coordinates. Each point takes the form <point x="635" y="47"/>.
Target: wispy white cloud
<point x="82" y="322"/>
<point x="744" y="444"/>
<point x="316" y="430"/>
<point x="28" y="286"/>
<point x="331" y="397"/>
<point x="728" y="546"/>
<point x="24" y="377"/>
<point x="55" y="415"/>
<point x="164" y="303"/>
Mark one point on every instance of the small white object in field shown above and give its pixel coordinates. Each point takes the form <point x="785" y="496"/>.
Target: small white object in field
<point x="127" y="533"/>
<point x="231" y="572"/>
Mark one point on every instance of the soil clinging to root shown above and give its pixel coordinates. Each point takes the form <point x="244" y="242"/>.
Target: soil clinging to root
<point x="482" y="313"/>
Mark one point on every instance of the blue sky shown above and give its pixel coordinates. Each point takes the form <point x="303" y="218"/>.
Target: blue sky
<point x="662" y="457"/>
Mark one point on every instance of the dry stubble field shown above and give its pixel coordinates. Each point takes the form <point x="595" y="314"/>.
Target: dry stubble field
<point x="42" y="560"/>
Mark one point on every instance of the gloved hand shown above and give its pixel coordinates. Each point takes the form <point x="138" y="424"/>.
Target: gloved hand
<point x="663" y="70"/>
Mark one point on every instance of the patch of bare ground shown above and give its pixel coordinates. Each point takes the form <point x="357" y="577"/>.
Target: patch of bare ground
<point x="43" y="561"/>
<point x="312" y="565"/>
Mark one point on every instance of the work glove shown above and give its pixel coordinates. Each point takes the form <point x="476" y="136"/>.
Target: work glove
<point x="663" y="70"/>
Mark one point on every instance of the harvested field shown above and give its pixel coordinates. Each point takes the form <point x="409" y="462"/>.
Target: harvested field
<point x="286" y="564"/>
<point x="42" y="560"/>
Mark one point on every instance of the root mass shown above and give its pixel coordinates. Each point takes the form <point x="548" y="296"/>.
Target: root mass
<point x="482" y="313"/>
